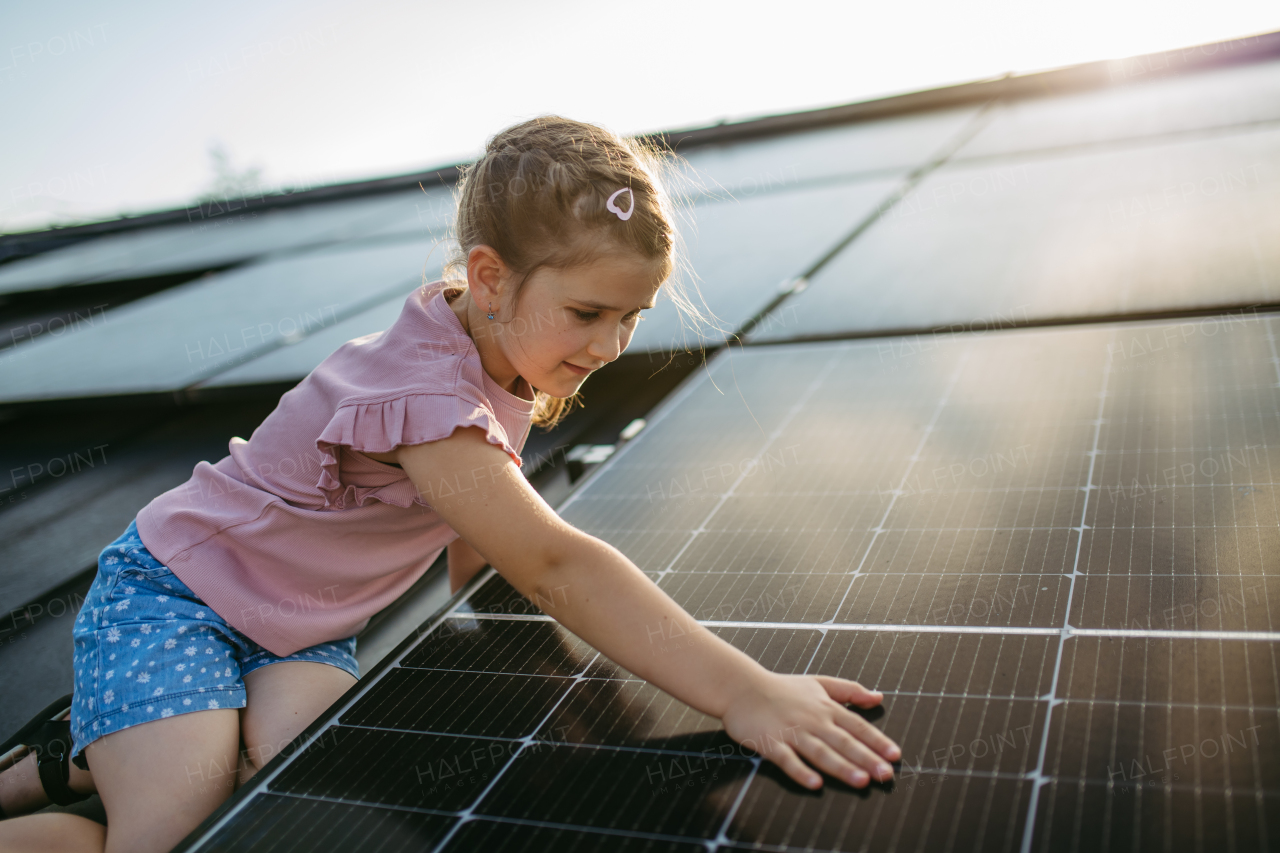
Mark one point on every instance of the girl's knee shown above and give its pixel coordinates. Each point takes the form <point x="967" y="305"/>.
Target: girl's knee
<point x="36" y="833"/>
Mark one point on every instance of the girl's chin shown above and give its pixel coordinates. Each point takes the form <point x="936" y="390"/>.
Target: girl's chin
<point x="558" y="386"/>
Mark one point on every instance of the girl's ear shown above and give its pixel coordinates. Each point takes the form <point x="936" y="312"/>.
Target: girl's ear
<point x="485" y="275"/>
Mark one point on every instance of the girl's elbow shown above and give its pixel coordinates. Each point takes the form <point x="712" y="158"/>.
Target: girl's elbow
<point x="550" y="561"/>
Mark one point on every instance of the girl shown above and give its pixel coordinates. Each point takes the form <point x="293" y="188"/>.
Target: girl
<point x="227" y="610"/>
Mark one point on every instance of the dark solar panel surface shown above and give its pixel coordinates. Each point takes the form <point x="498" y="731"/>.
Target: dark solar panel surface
<point x="297" y="360"/>
<point x="1174" y="225"/>
<point x="743" y="248"/>
<point x="1179" y="104"/>
<point x="176" y="338"/>
<point x="884" y="147"/>
<point x="1051" y="549"/>
<point x="212" y="236"/>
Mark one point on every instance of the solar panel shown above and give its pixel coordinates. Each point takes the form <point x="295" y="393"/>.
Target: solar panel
<point x="1182" y="225"/>
<point x="1049" y="548"/>
<point x="742" y="250"/>
<point x="175" y="338"/>
<point x="272" y="232"/>
<point x="91" y="498"/>
<point x="294" y="361"/>
<point x="421" y="212"/>
<point x="212" y="237"/>
<point x="1223" y="97"/>
<point x="881" y="147"/>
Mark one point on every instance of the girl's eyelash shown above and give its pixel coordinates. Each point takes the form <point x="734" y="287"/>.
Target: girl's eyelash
<point x="591" y="315"/>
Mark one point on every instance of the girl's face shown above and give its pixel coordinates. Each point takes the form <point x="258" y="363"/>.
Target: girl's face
<point x="571" y="322"/>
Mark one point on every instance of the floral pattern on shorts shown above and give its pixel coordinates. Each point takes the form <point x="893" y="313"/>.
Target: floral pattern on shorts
<point x="147" y="647"/>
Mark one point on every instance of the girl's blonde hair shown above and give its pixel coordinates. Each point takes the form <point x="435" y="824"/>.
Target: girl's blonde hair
<point x="539" y="197"/>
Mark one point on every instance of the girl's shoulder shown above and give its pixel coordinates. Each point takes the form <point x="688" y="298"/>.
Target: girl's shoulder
<point x="424" y="362"/>
<point x="423" y="351"/>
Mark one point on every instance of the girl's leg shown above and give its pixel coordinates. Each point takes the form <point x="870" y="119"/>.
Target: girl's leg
<point x="21" y="790"/>
<point x="158" y="780"/>
<point x="283" y="699"/>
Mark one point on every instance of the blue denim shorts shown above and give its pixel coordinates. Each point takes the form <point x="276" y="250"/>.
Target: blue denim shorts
<point x="147" y="647"/>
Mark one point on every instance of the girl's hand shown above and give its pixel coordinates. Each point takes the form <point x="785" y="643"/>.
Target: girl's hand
<point x="786" y="717"/>
<point x="592" y="589"/>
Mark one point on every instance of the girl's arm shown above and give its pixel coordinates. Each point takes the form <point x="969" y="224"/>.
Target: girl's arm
<point x="601" y="596"/>
<point x="464" y="562"/>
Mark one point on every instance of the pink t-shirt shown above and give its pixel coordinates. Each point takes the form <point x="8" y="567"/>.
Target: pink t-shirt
<point x="297" y="537"/>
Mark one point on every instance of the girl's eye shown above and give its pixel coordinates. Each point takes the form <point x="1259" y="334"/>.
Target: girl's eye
<point x="585" y="315"/>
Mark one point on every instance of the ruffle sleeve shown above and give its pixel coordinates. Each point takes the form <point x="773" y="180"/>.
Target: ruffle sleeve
<point x="347" y="481"/>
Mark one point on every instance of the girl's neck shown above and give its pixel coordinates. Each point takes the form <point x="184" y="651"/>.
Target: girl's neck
<point x="491" y="357"/>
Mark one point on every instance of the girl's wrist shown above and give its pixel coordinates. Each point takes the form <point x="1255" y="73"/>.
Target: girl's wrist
<point x="754" y="682"/>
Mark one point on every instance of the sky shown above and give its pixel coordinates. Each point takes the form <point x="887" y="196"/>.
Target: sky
<point x="114" y="109"/>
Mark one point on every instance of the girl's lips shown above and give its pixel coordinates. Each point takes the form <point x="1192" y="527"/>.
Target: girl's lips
<point x="573" y="368"/>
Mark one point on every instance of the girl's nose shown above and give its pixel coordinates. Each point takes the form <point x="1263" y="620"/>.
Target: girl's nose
<point x="606" y="346"/>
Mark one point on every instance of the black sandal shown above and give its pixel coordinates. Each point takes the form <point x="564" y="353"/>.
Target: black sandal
<point x="49" y="735"/>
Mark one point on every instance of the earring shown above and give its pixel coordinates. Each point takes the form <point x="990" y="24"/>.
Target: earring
<point x="490" y="310"/>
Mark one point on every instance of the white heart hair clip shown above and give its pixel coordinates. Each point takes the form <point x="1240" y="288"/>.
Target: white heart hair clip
<point x="624" y="215"/>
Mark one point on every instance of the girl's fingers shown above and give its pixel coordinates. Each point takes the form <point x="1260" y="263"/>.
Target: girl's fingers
<point x="851" y="692"/>
<point x="831" y="762"/>
<point x="858" y="752"/>
<point x="868" y="734"/>
<point x="786" y="758"/>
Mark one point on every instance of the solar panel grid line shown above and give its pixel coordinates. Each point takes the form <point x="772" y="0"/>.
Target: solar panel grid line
<point x="1086" y="760"/>
<point x="722" y="834"/>
<point x="1257" y="770"/>
<point x="1271" y="340"/>
<point x="682" y="391"/>
<point x="743" y="474"/>
<point x="917" y="175"/>
<point x="1039" y="778"/>
<point x="541" y="742"/>
<point x="1121" y="143"/>
<point x="976" y="122"/>
<point x="886" y="627"/>
<point x="324" y="798"/>
<point x="911" y="460"/>
<point x="605" y="830"/>
<point x="999" y="630"/>
<point x="347" y="313"/>
<point x="514" y="835"/>
<point x="1267" y="636"/>
<point x="262" y="781"/>
<point x="1136" y="703"/>
<point x="309" y="825"/>
<point x="957" y="287"/>
<point x="469" y="812"/>
<point x="458" y="611"/>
